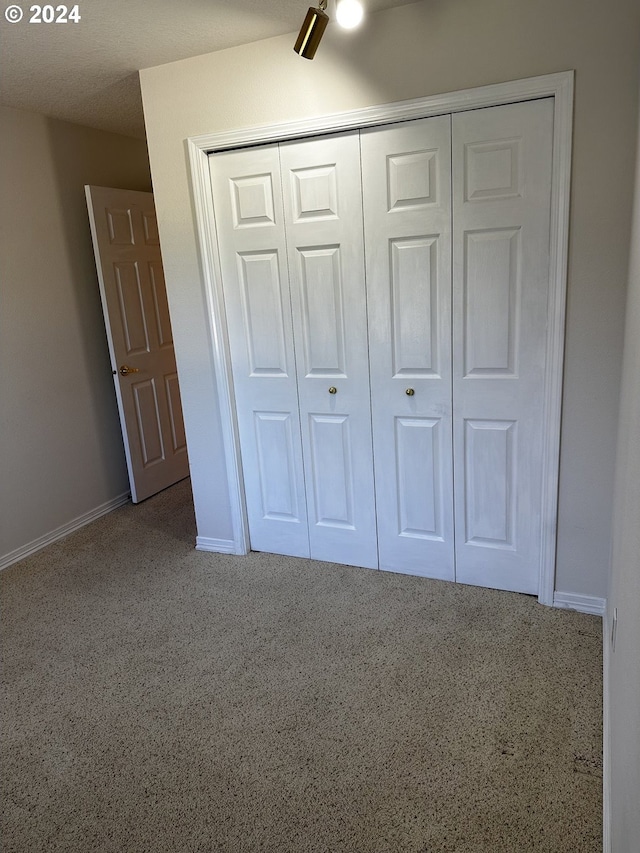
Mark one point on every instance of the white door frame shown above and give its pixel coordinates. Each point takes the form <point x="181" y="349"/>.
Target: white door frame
<point x="560" y="87"/>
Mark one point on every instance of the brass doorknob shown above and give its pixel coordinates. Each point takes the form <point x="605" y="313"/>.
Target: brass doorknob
<point x="125" y="371"/>
<point x="333" y="390"/>
<point x="409" y="392"/>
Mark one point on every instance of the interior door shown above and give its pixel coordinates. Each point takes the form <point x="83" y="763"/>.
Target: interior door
<point x="136" y="313"/>
<point x="407" y="213"/>
<point x="253" y="259"/>
<point x="323" y="223"/>
<point x="501" y="203"/>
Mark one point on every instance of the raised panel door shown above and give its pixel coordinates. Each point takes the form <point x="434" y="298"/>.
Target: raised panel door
<point x="251" y="237"/>
<point x="136" y="311"/>
<point x="406" y="172"/>
<point x="501" y="203"/>
<point x="323" y="216"/>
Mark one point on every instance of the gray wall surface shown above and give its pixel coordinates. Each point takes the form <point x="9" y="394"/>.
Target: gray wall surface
<point x="622" y="668"/>
<point x="61" y="453"/>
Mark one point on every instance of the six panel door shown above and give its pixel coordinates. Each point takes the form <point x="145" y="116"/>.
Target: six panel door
<point x="253" y="259"/>
<point x="501" y="204"/>
<point x="323" y="224"/>
<point x="136" y="313"/>
<point x="406" y="171"/>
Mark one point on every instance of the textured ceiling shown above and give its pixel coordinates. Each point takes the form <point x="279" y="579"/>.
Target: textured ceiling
<point x="86" y="72"/>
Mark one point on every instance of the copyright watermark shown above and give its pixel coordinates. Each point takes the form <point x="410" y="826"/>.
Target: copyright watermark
<point x="44" y="14"/>
<point x="13" y="14"/>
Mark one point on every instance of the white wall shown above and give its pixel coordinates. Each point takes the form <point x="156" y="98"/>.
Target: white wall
<point x="61" y="453"/>
<point x="622" y="667"/>
<point x="427" y="48"/>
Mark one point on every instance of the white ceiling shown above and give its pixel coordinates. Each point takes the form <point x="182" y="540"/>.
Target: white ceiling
<point x="86" y="72"/>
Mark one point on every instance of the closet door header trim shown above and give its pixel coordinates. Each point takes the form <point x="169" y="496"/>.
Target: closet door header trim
<point x="560" y="87"/>
<point x="498" y="94"/>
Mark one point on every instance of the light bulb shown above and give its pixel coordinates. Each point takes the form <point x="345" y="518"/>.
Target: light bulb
<point x="349" y="13"/>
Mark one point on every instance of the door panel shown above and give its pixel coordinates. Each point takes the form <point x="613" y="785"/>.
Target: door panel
<point x="417" y="452"/>
<point x="330" y="460"/>
<point x="251" y="236"/>
<point x="131" y="305"/>
<point x="490" y="495"/>
<point x="322" y="318"/>
<point x="323" y="215"/>
<point x="134" y="301"/>
<point x="161" y="305"/>
<point x="502" y="181"/>
<point x="263" y="305"/>
<point x="178" y="435"/>
<point x="146" y="402"/>
<point x="414" y="306"/>
<point x="276" y="446"/>
<point x="490" y="313"/>
<point x="407" y="213"/>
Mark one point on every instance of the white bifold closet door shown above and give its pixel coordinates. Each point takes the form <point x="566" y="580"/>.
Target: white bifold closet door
<point x="406" y="171"/>
<point x="323" y="221"/>
<point x="289" y="220"/>
<point x="386" y="295"/>
<point x="501" y="211"/>
<point x="253" y="258"/>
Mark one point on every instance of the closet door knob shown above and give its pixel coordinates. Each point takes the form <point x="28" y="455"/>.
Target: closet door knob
<point x="333" y="390"/>
<point x="409" y="392"/>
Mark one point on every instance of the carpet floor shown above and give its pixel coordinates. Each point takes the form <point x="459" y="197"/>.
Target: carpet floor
<point x="157" y="699"/>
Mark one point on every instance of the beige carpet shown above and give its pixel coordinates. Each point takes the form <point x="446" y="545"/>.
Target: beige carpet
<point x="161" y="699"/>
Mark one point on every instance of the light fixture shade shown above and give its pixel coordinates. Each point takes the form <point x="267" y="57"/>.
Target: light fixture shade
<point x="349" y="13"/>
<point x="311" y="33"/>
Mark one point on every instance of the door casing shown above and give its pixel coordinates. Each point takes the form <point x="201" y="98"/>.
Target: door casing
<point x="199" y="148"/>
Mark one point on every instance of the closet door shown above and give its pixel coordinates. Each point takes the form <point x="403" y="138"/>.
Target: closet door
<point x="501" y="202"/>
<point x="407" y="213"/>
<point x="251" y="238"/>
<point x="323" y="221"/>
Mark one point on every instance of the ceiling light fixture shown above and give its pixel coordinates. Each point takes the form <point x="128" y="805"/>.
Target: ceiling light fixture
<point x="349" y="13"/>
<point x="312" y="31"/>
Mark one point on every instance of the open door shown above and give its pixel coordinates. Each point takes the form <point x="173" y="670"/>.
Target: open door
<point x="136" y="315"/>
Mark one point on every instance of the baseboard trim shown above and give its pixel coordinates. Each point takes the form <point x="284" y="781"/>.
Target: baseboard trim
<point x="216" y="546"/>
<point x="606" y="737"/>
<point x="582" y="603"/>
<point x="63" y="531"/>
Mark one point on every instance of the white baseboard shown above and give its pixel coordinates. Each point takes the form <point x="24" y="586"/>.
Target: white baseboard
<point x="583" y="603"/>
<point x="606" y="738"/>
<point x="60" y="532"/>
<point x="217" y="546"/>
